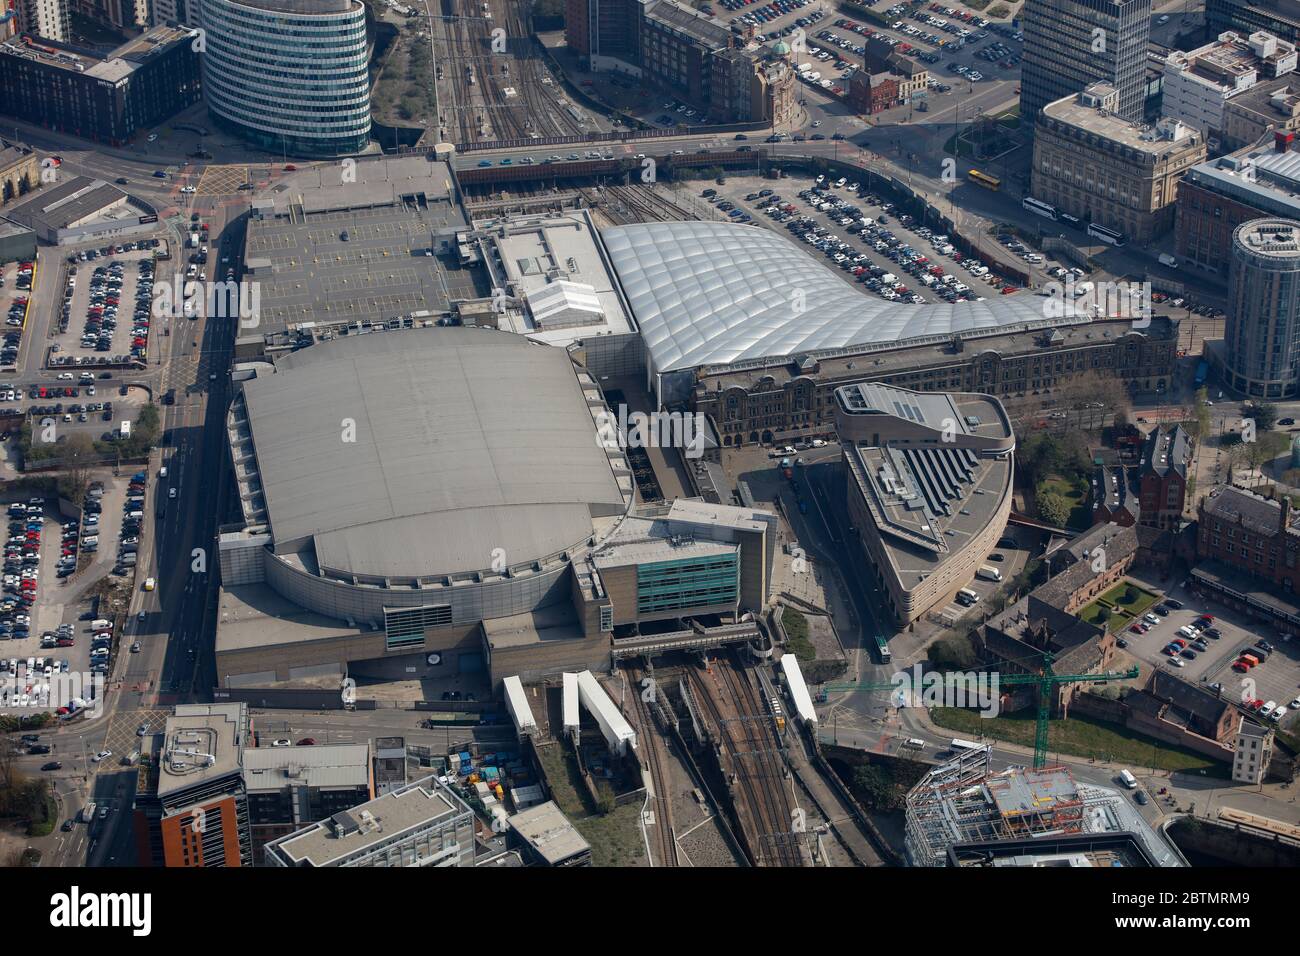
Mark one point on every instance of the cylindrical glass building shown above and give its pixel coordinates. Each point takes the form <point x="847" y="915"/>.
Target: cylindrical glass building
<point x="288" y="75"/>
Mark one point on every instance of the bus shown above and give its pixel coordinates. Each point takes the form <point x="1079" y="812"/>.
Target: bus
<point x="1108" y="236"/>
<point x="1202" y="372"/>
<point x="984" y="179"/>
<point x="959" y="746"/>
<point x="1040" y="207"/>
<point x="882" y="648"/>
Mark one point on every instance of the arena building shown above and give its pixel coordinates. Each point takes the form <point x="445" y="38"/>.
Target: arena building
<point x="439" y="501"/>
<point x="928" y="480"/>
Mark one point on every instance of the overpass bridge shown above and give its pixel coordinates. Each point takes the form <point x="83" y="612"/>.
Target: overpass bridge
<point x="690" y="639"/>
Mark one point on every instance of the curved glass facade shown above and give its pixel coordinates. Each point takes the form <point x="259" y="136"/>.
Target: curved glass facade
<point x="289" y="76"/>
<point x="1262" y="332"/>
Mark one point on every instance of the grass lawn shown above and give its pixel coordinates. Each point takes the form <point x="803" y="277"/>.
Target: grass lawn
<point x="1077" y="496"/>
<point x="796" y="630"/>
<point x="615" y="837"/>
<point x="1080" y="737"/>
<point x="1123" y="609"/>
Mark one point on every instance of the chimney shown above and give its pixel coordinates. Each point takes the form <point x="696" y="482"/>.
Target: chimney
<point x="1285" y="519"/>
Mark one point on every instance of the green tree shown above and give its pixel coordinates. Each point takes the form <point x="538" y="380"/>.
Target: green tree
<point x="951" y="653"/>
<point x="1054" y="509"/>
<point x="876" y="789"/>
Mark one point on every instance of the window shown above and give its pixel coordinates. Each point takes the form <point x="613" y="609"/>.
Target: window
<point x="404" y="627"/>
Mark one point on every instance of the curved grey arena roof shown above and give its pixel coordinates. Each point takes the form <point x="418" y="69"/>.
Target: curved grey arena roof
<point x="459" y="441"/>
<point x="715" y="293"/>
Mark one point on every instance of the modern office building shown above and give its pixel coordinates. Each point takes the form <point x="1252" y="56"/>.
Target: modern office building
<point x="1092" y="163"/>
<point x="928" y="485"/>
<point x="1199" y="84"/>
<point x="422" y="824"/>
<point x="1279" y="17"/>
<point x="1217" y="197"/>
<point x="605" y="32"/>
<point x="290" y="787"/>
<point x="108" y="98"/>
<point x="1070" y="44"/>
<point x="191" y="807"/>
<point x="173" y="12"/>
<point x="290" y="76"/>
<point x="1261" y="347"/>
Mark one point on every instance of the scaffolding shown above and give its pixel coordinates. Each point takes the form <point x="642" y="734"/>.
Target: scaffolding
<point x="963" y="802"/>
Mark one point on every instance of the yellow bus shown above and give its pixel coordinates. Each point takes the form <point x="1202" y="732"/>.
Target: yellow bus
<point x="984" y="179"/>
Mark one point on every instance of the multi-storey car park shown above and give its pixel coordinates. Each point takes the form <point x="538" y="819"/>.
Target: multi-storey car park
<point x="290" y="76"/>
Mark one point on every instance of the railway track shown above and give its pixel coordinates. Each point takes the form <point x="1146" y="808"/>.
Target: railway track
<point x="757" y="771"/>
<point x="476" y="106"/>
<point x="643" y="204"/>
<point x="652" y="750"/>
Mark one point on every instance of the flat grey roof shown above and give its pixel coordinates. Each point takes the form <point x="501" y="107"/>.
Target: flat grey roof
<point x="307" y="272"/>
<point x="549" y="832"/>
<point x="67" y="203"/>
<point x="422" y="804"/>
<point x="465" y="440"/>
<point x="325" y="765"/>
<point x="200" y="742"/>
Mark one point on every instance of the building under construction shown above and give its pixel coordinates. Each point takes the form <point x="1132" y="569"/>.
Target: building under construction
<point x="964" y="814"/>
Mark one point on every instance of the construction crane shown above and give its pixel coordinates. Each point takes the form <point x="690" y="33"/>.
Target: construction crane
<point x="1045" y="681"/>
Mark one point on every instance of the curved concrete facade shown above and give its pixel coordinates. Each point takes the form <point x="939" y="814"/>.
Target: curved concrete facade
<point x="289" y="75"/>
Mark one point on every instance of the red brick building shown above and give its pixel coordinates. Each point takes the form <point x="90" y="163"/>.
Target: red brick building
<point x="1252" y="535"/>
<point x="1163" y="477"/>
<point x="872" y="92"/>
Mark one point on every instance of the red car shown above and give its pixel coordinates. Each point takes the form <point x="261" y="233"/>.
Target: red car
<point x="290" y="167"/>
<point x="311" y="741"/>
<point x="1008" y="289"/>
<point x="1136" y="628"/>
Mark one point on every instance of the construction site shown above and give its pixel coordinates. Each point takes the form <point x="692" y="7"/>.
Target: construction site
<point x="964" y="814"/>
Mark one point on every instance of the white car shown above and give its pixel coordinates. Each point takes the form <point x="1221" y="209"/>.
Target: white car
<point x="152" y="137"/>
<point x="1277" y="715"/>
<point x="102" y="755"/>
<point x="188" y="189"/>
<point x="171" y="492"/>
<point x="65" y="376"/>
<point x="282" y="742"/>
<point x="1176" y="662"/>
<point x="1268" y="708"/>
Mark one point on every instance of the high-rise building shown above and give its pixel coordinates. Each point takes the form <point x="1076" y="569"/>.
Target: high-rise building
<point x="290" y="76"/>
<point x="1199" y="84"/>
<point x="1262" y="334"/>
<point x="1072" y="43"/>
<point x="173" y="11"/>
<point x="1278" y="17"/>
<point x="605" y="32"/>
<point x="44" y="18"/>
<point x="191" y="806"/>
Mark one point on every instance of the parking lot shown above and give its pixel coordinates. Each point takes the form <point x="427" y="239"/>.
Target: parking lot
<point x="91" y="327"/>
<point x="15" y="297"/>
<point x="46" y="611"/>
<point x="860" y="234"/>
<point x="1276" y="679"/>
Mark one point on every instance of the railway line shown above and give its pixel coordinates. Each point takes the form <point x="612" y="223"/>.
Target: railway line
<point x="628" y="204"/>
<point x="749" y="742"/>
<point x="653" y="752"/>
<point x="489" y="94"/>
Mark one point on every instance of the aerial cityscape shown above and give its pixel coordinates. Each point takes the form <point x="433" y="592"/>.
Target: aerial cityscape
<point x="650" y="434"/>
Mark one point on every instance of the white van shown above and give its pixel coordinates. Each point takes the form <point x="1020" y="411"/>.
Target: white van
<point x="1128" y="780"/>
<point x="99" y="624"/>
<point x="967" y="597"/>
<point x="913" y="743"/>
<point x="988" y="573"/>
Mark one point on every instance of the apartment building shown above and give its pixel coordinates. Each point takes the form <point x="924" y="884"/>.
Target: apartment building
<point x="1253" y="754"/>
<point x="47" y="19"/>
<point x="1092" y="163"/>
<point x="1162" y="476"/>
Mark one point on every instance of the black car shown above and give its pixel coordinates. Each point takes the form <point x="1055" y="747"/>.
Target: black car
<point x="37" y="749"/>
<point x="52" y="765"/>
<point x="1161" y="610"/>
<point x="1175" y="605"/>
<point x="1141" y="798"/>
